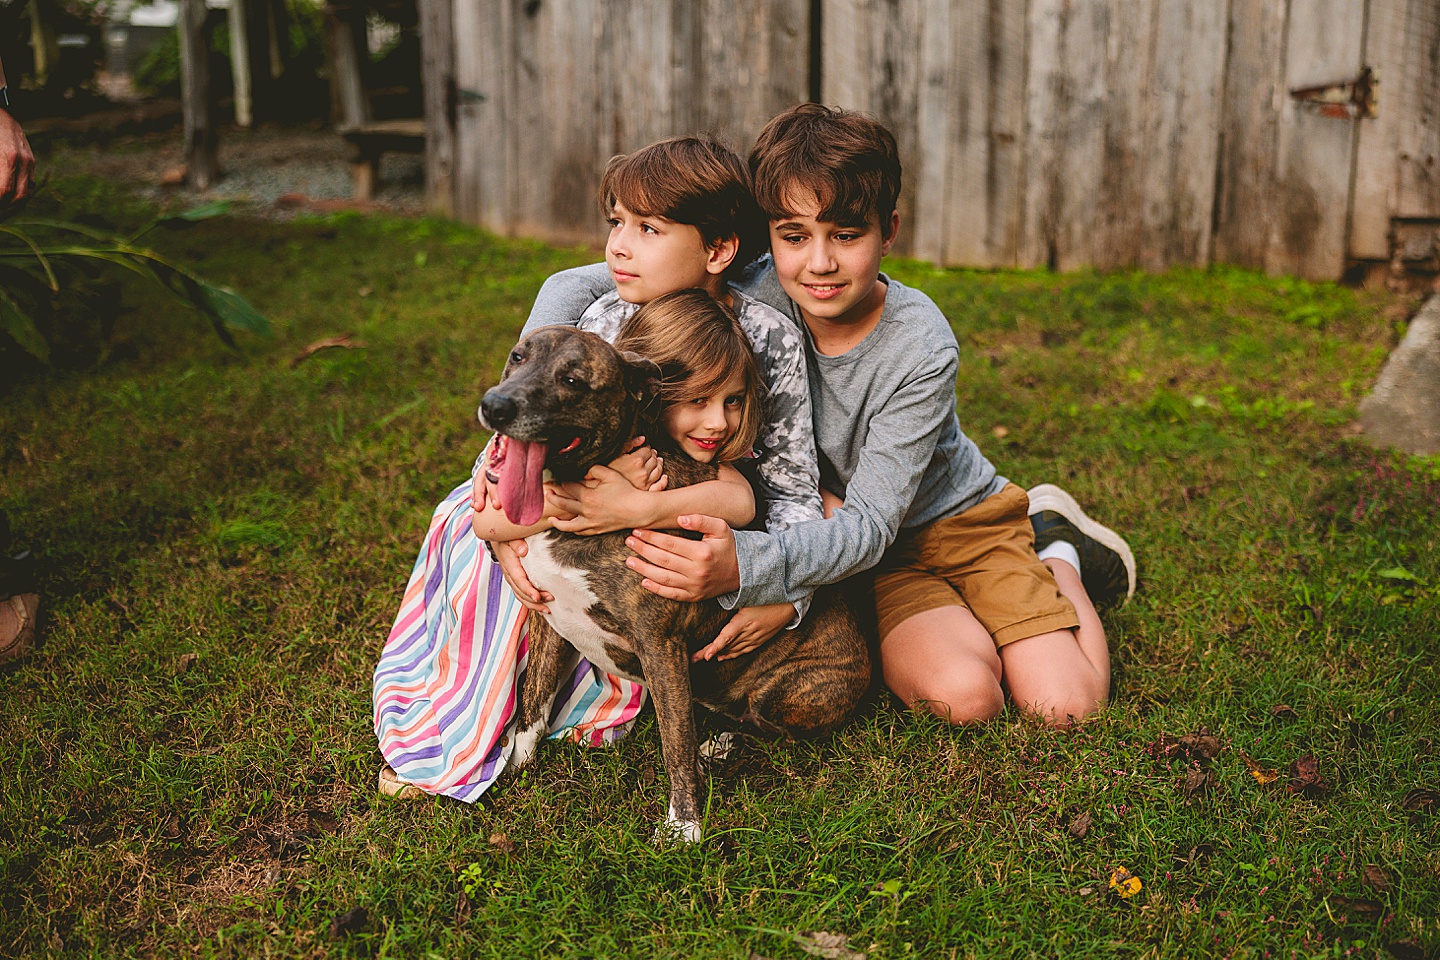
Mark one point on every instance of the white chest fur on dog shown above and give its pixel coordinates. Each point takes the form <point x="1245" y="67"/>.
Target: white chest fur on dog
<point x="570" y="610"/>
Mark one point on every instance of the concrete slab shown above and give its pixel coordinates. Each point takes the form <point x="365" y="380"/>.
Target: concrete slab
<point x="1403" y="411"/>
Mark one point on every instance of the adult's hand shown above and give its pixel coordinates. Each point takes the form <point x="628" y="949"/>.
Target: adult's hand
<point x="17" y="162"/>
<point x="687" y="569"/>
<point x="508" y="554"/>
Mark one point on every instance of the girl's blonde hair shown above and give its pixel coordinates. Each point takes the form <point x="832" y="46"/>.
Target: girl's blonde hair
<point x="698" y="344"/>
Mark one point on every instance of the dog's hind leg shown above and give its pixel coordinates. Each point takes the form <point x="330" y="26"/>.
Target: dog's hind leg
<point x="817" y="687"/>
<point x="549" y="654"/>
<point x="667" y="676"/>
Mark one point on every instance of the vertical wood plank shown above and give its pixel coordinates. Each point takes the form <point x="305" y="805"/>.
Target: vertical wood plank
<point x="1044" y="134"/>
<point x="991" y="154"/>
<point x="200" y="160"/>
<point x="1179" y="183"/>
<point x="345" y="34"/>
<point x="1376" y="172"/>
<point x="1074" y="153"/>
<point x="1250" y="110"/>
<point x="237" y="18"/>
<point x="1130" y="149"/>
<point x="1315" y="153"/>
<point x="1418" y="105"/>
<point x="438" y="86"/>
<point x="482" y="127"/>
<point x="753" y="64"/>
<point x="940" y="107"/>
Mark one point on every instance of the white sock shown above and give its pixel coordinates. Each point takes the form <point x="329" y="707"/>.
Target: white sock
<point x="1062" y="550"/>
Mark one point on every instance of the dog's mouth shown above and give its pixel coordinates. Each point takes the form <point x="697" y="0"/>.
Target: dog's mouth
<point x="517" y="467"/>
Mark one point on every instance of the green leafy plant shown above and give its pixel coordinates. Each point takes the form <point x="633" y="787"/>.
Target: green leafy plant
<point x="53" y="282"/>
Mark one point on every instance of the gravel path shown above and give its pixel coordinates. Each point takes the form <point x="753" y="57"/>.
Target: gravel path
<point x="270" y="171"/>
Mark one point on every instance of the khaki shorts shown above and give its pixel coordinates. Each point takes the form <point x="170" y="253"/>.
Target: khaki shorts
<point x="983" y="560"/>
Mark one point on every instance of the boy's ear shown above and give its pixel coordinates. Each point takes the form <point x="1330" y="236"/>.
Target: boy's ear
<point x="888" y="236"/>
<point x="722" y="253"/>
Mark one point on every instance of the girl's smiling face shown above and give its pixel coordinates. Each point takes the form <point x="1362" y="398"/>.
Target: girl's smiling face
<point x="700" y="426"/>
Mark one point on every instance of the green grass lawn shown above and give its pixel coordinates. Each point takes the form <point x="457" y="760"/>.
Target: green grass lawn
<point x="188" y="763"/>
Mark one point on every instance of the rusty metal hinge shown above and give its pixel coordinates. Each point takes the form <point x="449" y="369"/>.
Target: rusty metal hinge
<point x="1344" y="99"/>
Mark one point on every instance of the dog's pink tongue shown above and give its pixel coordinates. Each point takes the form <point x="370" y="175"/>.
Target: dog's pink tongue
<point x="522" y="482"/>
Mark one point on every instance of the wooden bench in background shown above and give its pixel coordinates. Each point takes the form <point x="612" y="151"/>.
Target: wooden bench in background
<point x="378" y="137"/>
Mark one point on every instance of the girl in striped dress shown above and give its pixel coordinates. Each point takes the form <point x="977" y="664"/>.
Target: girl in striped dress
<point x="445" y="688"/>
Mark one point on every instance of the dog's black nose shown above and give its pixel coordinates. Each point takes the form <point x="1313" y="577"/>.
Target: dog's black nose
<point x="497" y="408"/>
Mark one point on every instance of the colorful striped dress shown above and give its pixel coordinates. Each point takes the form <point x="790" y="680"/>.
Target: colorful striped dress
<point x="446" y="685"/>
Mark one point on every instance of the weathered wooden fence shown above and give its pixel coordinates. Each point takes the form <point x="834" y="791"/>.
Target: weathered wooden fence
<point x="1103" y="133"/>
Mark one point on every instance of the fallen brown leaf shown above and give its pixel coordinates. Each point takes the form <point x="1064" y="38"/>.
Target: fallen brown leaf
<point x="831" y="946"/>
<point x="1305" y="777"/>
<point x="1263" y="775"/>
<point x="344" y="340"/>
<point x="1421" y="800"/>
<point x="1081" y="824"/>
<point x="1283" y="711"/>
<point x="1375" y="877"/>
<point x="502" y="843"/>
<point x="1001" y="432"/>
<point x="1405" y="950"/>
<point x="1196" y="856"/>
<point x="1197" y="782"/>
<point x="1358" y="907"/>
<point x="1202" y="743"/>
<point x="173" y="177"/>
<point x="351" y="921"/>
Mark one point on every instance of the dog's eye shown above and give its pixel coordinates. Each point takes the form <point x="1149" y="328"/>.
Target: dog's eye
<point x="570" y="381"/>
<point x="516" y="356"/>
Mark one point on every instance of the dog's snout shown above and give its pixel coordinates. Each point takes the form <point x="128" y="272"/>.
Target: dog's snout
<point x="497" y="409"/>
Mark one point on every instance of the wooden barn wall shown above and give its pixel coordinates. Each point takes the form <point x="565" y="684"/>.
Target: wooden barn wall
<point x="1069" y="133"/>
<point x="547" y="91"/>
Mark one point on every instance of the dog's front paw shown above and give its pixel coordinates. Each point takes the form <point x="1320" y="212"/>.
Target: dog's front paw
<point x="527" y="742"/>
<point x="676" y="830"/>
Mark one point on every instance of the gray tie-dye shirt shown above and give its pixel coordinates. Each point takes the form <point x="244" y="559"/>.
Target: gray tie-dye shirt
<point x="785" y="449"/>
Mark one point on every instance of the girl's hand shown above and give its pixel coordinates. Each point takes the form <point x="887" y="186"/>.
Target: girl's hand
<point x="601" y="503"/>
<point x="507" y="555"/>
<point x="641" y="465"/>
<point x="481" y="487"/>
<point x="747" y="630"/>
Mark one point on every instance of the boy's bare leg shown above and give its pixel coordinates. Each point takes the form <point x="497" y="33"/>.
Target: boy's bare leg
<point x="1063" y="674"/>
<point x="944" y="661"/>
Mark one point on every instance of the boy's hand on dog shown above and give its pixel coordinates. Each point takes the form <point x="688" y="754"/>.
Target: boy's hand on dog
<point x="508" y="554"/>
<point x="683" y="569"/>
<point x="747" y="630"/>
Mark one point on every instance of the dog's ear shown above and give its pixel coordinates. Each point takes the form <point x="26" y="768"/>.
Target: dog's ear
<point x="642" y="380"/>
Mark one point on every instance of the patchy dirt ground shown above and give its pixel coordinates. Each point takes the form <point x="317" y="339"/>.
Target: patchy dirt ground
<point x="271" y="171"/>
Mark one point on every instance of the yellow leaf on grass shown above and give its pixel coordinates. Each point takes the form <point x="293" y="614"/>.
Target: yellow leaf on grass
<point x="1262" y="775"/>
<point x="1124" y="884"/>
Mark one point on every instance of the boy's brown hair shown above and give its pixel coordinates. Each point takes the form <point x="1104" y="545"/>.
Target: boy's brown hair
<point x="847" y="160"/>
<point x="691" y="180"/>
<point x="699" y="344"/>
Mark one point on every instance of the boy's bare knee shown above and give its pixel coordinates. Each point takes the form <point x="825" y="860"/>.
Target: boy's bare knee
<point x="961" y="698"/>
<point x="1066" y="708"/>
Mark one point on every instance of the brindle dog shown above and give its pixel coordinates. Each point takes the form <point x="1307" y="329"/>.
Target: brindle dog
<point x="569" y="400"/>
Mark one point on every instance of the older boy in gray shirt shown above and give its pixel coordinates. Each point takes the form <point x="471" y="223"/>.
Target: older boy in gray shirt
<point x="965" y="605"/>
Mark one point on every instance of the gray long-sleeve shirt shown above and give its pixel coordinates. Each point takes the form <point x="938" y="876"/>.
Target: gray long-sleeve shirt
<point x="885" y="427"/>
